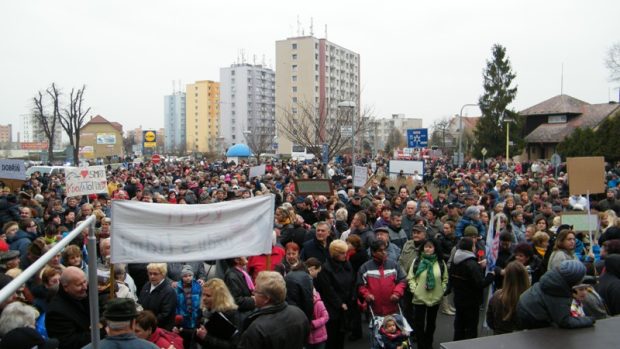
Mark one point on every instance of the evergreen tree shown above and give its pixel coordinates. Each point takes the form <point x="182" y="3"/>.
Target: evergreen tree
<point x="582" y="142"/>
<point x="490" y="132"/>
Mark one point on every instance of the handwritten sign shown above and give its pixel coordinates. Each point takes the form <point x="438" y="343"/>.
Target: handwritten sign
<point x="360" y="176"/>
<point x="86" y="180"/>
<point x="256" y="171"/>
<point x="147" y="232"/>
<point x="12" y="169"/>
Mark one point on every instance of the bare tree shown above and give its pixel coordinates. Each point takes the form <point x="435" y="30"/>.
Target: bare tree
<point x="441" y="129"/>
<point x="395" y="140"/>
<point x="72" y="119"/>
<point x="612" y="62"/>
<point x="47" y="117"/>
<point x="306" y="127"/>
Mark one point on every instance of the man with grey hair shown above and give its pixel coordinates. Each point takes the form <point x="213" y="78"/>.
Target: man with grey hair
<point x="274" y="324"/>
<point x="120" y="315"/>
<point x="68" y="315"/>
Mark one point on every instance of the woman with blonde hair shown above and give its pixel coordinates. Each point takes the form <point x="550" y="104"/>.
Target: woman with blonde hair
<point x="217" y="305"/>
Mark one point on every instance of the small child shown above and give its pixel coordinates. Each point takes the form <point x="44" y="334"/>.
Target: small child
<point x="580" y="293"/>
<point x="391" y="334"/>
<point x="318" y="331"/>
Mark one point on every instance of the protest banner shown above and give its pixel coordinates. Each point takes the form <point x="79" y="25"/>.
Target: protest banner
<point x="86" y="180"/>
<point x="12" y="169"/>
<point x="360" y="176"/>
<point x="256" y="171"/>
<point x="147" y="232"/>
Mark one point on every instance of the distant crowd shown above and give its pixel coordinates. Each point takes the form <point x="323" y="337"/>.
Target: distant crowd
<point x="397" y="250"/>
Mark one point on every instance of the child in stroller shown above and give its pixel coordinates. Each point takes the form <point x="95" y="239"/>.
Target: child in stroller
<point x="391" y="334"/>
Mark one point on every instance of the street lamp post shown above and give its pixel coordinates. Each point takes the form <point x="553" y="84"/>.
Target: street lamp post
<point x="350" y="107"/>
<point x="460" y="162"/>
<point x="508" y="121"/>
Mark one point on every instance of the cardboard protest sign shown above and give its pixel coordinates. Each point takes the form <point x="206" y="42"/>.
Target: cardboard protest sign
<point x="586" y="175"/>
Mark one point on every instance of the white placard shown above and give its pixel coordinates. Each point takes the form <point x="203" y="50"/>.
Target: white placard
<point x="256" y="171"/>
<point x="12" y="169"/>
<point x="147" y="232"/>
<point x="86" y="180"/>
<point x="360" y="176"/>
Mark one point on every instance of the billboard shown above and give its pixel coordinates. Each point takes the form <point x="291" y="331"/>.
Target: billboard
<point x="106" y="138"/>
<point x="149" y="139"/>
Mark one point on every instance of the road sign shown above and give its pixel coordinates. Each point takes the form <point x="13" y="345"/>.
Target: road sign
<point x="417" y="138"/>
<point x="346" y="131"/>
<point x="483" y="151"/>
<point x="156" y="159"/>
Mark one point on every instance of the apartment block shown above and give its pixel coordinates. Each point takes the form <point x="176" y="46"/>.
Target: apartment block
<point x="174" y="122"/>
<point x="202" y="111"/>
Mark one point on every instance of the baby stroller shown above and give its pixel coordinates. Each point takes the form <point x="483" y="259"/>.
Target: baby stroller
<point x="376" y="321"/>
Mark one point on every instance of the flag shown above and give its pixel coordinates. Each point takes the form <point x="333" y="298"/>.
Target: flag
<point x="492" y="244"/>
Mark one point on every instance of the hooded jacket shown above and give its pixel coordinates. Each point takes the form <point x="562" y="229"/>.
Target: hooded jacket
<point x="21" y="241"/>
<point x="467" y="279"/>
<point x="609" y="284"/>
<point x="548" y="302"/>
<point x="382" y="281"/>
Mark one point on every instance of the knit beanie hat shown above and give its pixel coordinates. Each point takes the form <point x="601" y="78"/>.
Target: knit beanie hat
<point x="187" y="269"/>
<point x="572" y="271"/>
<point x="470" y="231"/>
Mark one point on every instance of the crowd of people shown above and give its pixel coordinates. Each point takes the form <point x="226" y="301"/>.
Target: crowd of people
<point x="397" y="248"/>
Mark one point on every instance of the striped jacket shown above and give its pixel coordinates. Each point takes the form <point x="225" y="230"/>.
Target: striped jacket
<point x="382" y="281"/>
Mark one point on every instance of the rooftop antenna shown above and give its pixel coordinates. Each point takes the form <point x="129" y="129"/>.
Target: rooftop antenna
<point x="326" y="31"/>
<point x="562" y="81"/>
<point x="311" y="26"/>
<point x="242" y="56"/>
<point x="263" y="63"/>
<point x="254" y="59"/>
<point x="298" y="26"/>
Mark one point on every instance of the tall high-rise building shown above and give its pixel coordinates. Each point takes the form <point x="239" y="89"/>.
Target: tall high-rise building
<point x="174" y="122"/>
<point x="202" y="111"/>
<point x="33" y="132"/>
<point x="6" y="133"/>
<point x="247" y="106"/>
<point x="314" y="74"/>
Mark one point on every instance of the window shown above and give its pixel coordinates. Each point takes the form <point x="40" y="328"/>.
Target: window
<point x="557" y="119"/>
<point x="294" y="46"/>
<point x="294" y="77"/>
<point x="294" y="67"/>
<point x="294" y="110"/>
<point x="294" y="88"/>
<point x="294" y="99"/>
<point x="294" y="57"/>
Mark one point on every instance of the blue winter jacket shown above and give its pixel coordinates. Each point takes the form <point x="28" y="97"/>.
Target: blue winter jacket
<point x="190" y="319"/>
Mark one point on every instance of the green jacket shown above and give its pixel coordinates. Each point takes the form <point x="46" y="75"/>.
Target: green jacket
<point x="417" y="285"/>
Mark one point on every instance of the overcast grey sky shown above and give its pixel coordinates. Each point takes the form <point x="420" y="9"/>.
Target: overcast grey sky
<point x="420" y="58"/>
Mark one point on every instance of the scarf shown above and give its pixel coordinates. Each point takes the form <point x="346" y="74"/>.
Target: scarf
<point x="427" y="263"/>
<point x="248" y="279"/>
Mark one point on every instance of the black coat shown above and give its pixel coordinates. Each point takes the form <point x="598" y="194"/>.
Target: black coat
<point x="335" y="283"/>
<point x="278" y="326"/>
<point x="609" y="284"/>
<point x="313" y="248"/>
<point x="239" y="289"/>
<point x="468" y="280"/>
<point x="162" y="302"/>
<point x="548" y="302"/>
<point x="68" y="320"/>
<point x="213" y="341"/>
<point x="299" y="291"/>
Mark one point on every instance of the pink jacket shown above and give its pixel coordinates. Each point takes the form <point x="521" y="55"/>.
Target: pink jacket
<point x="318" y="332"/>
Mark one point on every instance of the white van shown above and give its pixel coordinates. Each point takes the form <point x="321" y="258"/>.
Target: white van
<point x="50" y="170"/>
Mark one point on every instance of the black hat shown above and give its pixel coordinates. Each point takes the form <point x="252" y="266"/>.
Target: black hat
<point x="120" y="309"/>
<point x="8" y="255"/>
<point x="26" y="338"/>
<point x="382" y="229"/>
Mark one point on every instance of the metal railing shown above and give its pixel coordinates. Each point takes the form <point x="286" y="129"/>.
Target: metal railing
<point x="35" y="267"/>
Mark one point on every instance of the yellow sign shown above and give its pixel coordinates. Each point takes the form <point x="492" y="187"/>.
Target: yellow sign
<point x="149" y="136"/>
<point x="150" y="144"/>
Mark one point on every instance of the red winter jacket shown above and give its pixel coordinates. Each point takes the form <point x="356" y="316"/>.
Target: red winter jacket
<point x="382" y="281"/>
<point x="164" y="339"/>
